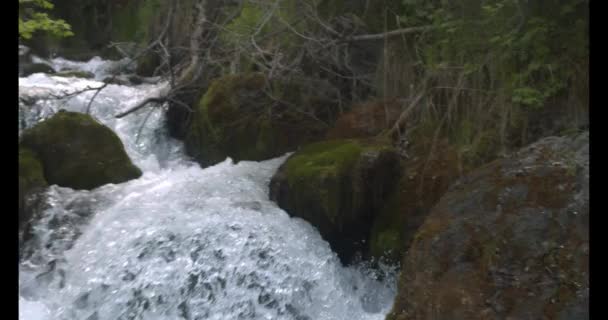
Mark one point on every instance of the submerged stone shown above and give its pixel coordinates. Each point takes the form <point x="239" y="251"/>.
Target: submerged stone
<point x="78" y="152"/>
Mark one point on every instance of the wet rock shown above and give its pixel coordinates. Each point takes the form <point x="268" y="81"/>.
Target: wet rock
<point x="29" y="69"/>
<point x="75" y="74"/>
<point x="506" y="242"/>
<point x="338" y="187"/>
<point x="237" y="118"/>
<point x="31" y="181"/>
<point x="78" y="152"/>
<point x="426" y="177"/>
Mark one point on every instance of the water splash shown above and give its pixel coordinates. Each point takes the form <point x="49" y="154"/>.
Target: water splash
<point x="99" y="67"/>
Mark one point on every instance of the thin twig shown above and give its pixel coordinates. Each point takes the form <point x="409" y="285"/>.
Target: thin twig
<point x="141" y="127"/>
<point x="94" y="96"/>
<point x="388" y="34"/>
<point x="140" y="105"/>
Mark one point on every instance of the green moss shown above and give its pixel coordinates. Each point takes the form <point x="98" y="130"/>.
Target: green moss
<point x="317" y="169"/>
<point x="323" y="158"/>
<point x="219" y="129"/>
<point x="78" y="152"/>
<point x="386" y="244"/>
<point x="31" y="175"/>
<point x="324" y="171"/>
<point x="338" y="186"/>
<point x="235" y="118"/>
<point x="31" y="178"/>
<point x="385" y="237"/>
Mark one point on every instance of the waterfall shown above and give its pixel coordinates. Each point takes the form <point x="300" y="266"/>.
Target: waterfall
<point x="180" y="242"/>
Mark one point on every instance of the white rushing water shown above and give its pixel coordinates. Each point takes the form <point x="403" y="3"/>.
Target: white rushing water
<point x="180" y="242"/>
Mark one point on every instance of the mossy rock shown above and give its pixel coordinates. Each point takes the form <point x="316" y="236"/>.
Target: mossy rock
<point x="29" y="69"/>
<point x="500" y="232"/>
<point x="78" y="152"/>
<point x="236" y="118"/>
<point x="75" y="74"/>
<point x="31" y="180"/>
<point x="338" y="186"/>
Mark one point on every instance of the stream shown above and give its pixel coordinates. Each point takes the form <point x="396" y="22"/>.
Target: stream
<point x="180" y="242"/>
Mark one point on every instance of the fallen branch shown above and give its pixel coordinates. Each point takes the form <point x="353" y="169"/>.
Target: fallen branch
<point x="141" y="105"/>
<point x="94" y="96"/>
<point x="75" y="93"/>
<point x="404" y="115"/>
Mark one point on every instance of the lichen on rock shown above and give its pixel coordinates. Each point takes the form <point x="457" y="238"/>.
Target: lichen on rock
<point x="509" y="240"/>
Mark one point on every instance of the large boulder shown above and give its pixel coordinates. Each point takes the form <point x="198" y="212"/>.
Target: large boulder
<point x="78" y="152"/>
<point x="508" y="241"/>
<point x="429" y="167"/>
<point x="338" y="186"/>
<point x="28" y="69"/>
<point x="31" y="181"/>
<point x="238" y="118"/>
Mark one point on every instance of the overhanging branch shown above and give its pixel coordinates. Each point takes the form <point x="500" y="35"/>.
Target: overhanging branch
<point x="388" y="34"/>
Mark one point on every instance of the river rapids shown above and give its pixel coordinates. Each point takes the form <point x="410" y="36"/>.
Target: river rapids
<point x="180" y="242"/>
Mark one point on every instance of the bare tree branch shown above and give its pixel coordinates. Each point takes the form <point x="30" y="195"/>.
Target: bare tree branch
<point x="388" y="34"/>
<point x="74" y="93"/>
<point x="94" y="96"/>
<point x="140" y="105"/>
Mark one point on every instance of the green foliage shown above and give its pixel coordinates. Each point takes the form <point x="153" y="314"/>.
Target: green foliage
<point x="262" y="29"/>
<point x="247" y="23"/>
<point x="498" y="68"/>
<point x="531" y="49"/>
<point x="30" y="20"/>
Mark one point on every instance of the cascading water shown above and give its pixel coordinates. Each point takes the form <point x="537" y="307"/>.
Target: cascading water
<point x="180" y="242"/>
